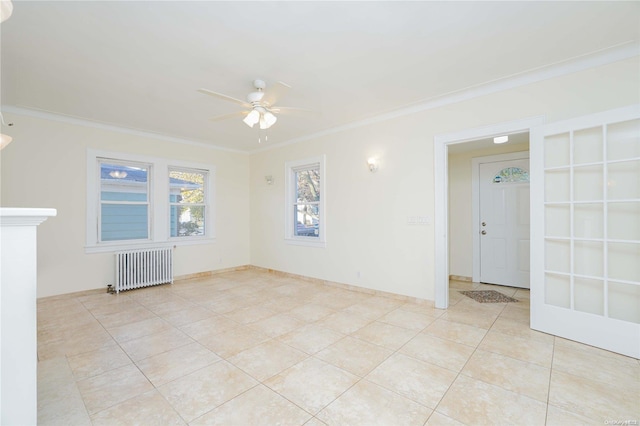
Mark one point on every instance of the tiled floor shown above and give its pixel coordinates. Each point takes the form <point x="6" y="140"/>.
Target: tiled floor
<point x="249" y="348"/>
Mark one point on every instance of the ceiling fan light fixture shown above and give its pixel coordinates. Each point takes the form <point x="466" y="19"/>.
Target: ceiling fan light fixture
<point x="252" y="118"/>
<point x="267" y="120"/>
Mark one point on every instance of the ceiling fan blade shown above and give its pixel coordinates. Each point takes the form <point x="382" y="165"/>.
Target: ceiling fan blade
<point x="285" y="110"/>
<point x="225" y="97"/>
<point x="275" y="92"/>
<point x="230" y="115"/>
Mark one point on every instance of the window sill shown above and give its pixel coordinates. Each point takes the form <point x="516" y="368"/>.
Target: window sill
<point x="114" y="247"/>
<point x="305" y="242"/>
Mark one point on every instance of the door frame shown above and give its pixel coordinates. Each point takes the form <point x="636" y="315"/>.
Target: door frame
<point x="441" y="144"/>
<point x="475" y="200"/>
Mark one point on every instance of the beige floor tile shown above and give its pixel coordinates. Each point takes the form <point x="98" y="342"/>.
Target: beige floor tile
<point x="59" y="400"/>
<point x="354" y="355"/>
<point x="135" y="330"/>
<point x="233" y="341"/>
<point x="344" y="322"/>
<point x="267" y="359"/>
<point x="155" y="344"/>
<point x="110" y="388"/>
<point x="173" y="304"/>
<point x="311" y="338"/>
<point x="210" y="326"/>
<point x="85" y="339"/>
<point x="175" y="363"/>
<point x="188" y="316"/>
<point x="386" y="335"/>
<point x="518" y="312"/>
<point x="518" y="376"/>
<point x="593" y="399"/>
<point x="134" y="313"/>
<point x="205" y="389"/>
<point x="149" y="408"/>
<point x="94" y="363"/>
<point x="437" y="419"/>
<point x="474" y="402"/>
<point x="443" y="353"/>
<point x="282" y="304"/>
<point x="277" y="325"/>
<point x="424" y="308"/>
<point x="310" y="312"/>
<point x="528" y="350"/>
<point x="622" y="371"/>
<point x="559" y="417"/>
<point x="559" y="341"/>
<point x="503" y="374"/>
<point x="417" y="380"/>
<point x="407" y="319"/>
<point x="266" y="408"/>
<point x="472" y="317"/>
<point x="312" y="384"/>
<point x="518" y="328"/>
<point x="368" y="404"/>
<point x="460" y="333"/>
<point x="250" y="314"/>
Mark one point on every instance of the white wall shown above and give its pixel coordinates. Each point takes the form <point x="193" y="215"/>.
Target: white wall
<point x="460" y="208"/>
<point x="367" y="212"/>
<point x="45" y="166"/>
<point x="367" y="227"/>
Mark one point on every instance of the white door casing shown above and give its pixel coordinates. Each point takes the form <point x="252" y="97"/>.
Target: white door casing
<point x="441" y="152"/>
<point x="585" y="229"/>
<point x="504" y="221"/>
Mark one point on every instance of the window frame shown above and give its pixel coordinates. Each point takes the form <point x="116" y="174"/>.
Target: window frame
<point x="205" y="204"/>
<point x="291" y="167"/>
<point x="148" y="203"/>
<point x="158" y="198"/>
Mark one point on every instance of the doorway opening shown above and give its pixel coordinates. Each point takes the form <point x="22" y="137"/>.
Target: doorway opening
<point x="446" y="147"/>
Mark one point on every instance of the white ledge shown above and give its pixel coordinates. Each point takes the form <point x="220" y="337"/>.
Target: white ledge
<point x="10" y="216"/>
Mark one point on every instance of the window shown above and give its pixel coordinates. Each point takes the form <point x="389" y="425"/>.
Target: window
<point x="124" y="201"/>
<point x="135" y="202"/>
<point x="187" y="202"/>
<point x="305" y="223"/>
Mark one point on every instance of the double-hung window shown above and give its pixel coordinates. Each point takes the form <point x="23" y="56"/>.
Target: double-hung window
<point x="187" y="201"/>
<point x="305" y="202"/>
<point x="137" y="202"/>
<point x="124" y="201"/>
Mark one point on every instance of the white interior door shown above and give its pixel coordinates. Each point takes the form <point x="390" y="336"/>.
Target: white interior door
<point x="504" y="222"/>
<point x="585" y="223"/>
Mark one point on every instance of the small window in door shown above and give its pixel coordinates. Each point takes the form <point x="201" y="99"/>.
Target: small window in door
<point x="511" y="174"/>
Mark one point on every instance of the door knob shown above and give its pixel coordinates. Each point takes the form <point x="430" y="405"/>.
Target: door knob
<point x="484" y="223"/>
<point x="484" y="232"/>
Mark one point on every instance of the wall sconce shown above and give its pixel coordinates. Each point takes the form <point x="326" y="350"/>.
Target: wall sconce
<point x="269" y="179"/>
<point x="373" y="164"/>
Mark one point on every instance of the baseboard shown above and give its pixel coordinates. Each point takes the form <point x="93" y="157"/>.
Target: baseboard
<point x="349" y="287"/>
<point x="460" y="278"/>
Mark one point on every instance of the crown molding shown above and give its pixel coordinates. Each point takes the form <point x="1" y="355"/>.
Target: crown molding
<point x="47" y="115"/>
<point x="584" y="62"/>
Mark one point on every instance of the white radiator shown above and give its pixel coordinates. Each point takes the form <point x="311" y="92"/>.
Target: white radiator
<point x="142" y="268"/>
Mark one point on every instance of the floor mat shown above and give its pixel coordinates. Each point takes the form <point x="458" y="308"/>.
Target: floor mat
<point x="488" y="296"/>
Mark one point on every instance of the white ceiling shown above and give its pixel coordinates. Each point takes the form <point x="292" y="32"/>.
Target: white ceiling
<point x="138" y="64"/>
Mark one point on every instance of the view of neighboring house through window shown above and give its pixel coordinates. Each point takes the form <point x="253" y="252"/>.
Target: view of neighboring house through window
<point x="305" y="202"/>
<point x="307" y="206"/>
<point x="187" y="200"/>
<point x="136" y="202"/>
<point x="124" y="201"/>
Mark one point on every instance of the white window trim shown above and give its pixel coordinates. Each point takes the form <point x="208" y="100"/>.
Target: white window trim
<point x="289" y="236"/>
<point x="159" y="203"/>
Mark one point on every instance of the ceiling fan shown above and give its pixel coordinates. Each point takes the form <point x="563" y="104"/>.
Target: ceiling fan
<point x="259" y="104"/>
